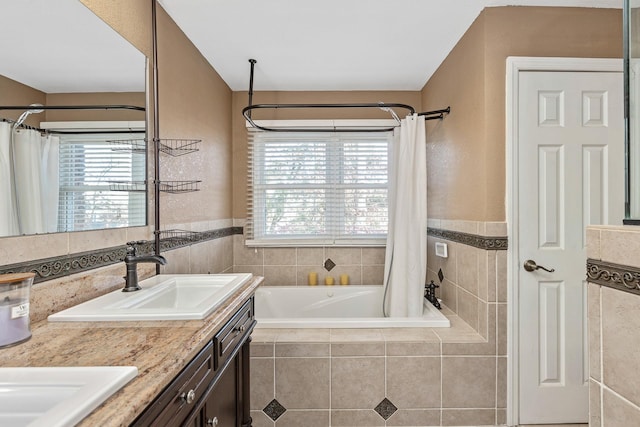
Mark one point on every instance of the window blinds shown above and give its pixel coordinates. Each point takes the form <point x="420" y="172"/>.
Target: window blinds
<point x="100" y="187"/>
<point x="324" y="188"/>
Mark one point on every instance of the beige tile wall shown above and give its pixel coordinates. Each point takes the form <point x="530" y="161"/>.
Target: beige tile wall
<point x="474" y="278"/>
<point x="291" y="266"/>
<point x="614" y="333"/>
<point x="434" y="376"/>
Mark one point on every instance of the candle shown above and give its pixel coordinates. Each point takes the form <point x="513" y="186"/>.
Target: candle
<point x="328" y="280"/>
<point x="14" y="324"/>
<point x="313" y="279"/>
<point x="344" y="279"/>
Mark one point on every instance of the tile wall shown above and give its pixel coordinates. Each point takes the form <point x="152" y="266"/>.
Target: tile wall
<point x="428" y="376"/>
<point x="377" y="377"/>
<point x="614" y="333"/>
<point x="291" y="266"/>
<point x="474" y="279"/>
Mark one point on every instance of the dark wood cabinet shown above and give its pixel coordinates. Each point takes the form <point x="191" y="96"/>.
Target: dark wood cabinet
<point x="213" y="389"/>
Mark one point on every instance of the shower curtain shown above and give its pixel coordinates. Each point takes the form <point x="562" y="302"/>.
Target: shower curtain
<point x="8" y="212"/>
<point x="405" y="267"/>
<point x="29" y="181"/>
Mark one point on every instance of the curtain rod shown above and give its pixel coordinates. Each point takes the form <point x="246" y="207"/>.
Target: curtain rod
<point x="69" y="132"/>
<point x="72" y="107"/>
<point x="246" y="111"/>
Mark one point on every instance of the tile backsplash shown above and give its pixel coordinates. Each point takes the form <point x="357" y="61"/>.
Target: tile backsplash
<point x="291" y="266"/>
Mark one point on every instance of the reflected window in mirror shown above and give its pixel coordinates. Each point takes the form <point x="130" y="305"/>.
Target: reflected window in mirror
<point x="55" y="67"/>
<point x="101" y="182"/>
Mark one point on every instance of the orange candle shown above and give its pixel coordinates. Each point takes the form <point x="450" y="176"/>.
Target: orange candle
<point x="328" y="280"/>
<point x="313" y="279"/>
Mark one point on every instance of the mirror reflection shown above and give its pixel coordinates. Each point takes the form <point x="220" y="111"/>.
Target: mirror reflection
<point x="63" y="166"/>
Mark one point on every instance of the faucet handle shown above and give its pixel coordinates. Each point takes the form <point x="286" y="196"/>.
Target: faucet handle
<point x="131" y="246"/>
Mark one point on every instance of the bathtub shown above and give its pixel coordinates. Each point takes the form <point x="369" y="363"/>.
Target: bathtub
<point x="334" y="307"/>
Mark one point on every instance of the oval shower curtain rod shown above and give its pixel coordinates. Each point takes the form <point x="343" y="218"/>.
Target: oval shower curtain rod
<point x="246" y="112"/>
<point x="72" y="107"/>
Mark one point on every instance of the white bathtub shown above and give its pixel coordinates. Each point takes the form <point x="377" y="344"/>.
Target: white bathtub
<point x="334" y="307"/>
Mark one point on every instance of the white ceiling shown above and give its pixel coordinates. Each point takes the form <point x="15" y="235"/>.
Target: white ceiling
<point x="333" y="44"/>
<point x="61" y="46"/>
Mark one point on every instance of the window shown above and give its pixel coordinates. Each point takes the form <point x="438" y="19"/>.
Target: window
<point x="318" y="188"/>
<point x="101" y="184"/>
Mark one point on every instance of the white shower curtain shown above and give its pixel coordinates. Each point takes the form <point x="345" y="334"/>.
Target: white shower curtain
<point x="8" y="211"/>
<point x="31" y="175"/>
<point x="405" y="267"/>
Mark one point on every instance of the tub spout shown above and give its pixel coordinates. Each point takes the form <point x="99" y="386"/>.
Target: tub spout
<point x="131" y="261"/>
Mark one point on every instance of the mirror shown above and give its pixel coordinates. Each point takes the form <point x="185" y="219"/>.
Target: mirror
<point x="631" y="36"/>
<point x="69" y="169"/>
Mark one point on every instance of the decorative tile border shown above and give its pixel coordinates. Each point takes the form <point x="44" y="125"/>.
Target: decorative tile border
<point x="65" y="265"/>
<point x="480" y="242"/>
<point x="616" y="276"/>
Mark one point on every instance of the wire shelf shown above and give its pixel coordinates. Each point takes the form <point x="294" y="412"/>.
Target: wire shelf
<point x="131" y="145"/>
<point x="179" y="186"/>
<point x="178" y="237"/>
<point x="179" y="147"/>
<point x="130" y="186"/>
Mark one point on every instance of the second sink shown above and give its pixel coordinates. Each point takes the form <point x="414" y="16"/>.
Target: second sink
<point x="162" y="297"/>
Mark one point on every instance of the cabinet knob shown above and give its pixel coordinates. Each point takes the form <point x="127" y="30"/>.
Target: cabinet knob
<point x="188" y="397"/>
<point x="212" y="422"/>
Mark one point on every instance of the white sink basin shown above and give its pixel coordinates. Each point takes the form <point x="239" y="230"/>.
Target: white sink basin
<point x="162" y="297"/>
<point x="57" y="397"/>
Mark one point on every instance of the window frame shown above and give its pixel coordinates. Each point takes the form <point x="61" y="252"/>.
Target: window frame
<point x="256" y="214"/>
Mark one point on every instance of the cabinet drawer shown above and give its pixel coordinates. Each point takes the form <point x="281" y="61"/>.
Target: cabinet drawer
<point x="233" y="333"/>
<point x="176" y="402"/>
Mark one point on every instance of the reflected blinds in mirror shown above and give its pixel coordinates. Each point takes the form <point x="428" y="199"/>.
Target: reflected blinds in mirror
<point x="101" y="185"/>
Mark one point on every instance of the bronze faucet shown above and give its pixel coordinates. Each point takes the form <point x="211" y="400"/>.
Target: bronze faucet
<point x="131" y="260"/>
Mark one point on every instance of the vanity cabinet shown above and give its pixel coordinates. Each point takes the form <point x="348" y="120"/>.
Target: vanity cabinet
<point x="213" y="389"/>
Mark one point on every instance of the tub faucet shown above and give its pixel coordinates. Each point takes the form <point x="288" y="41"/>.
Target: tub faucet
<point x="131" y="261"/>
<point x="430" y="294"/>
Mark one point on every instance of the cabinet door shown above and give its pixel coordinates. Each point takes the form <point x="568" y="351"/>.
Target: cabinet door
<point x="220" y="408"/>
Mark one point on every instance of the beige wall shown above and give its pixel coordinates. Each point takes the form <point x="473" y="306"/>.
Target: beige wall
<point x="14" y="93"/>
<point x="240" y="100"/>
<point x="467" y="165"/>
<point x="614" y="332"/>
<point x="195" y="103"/>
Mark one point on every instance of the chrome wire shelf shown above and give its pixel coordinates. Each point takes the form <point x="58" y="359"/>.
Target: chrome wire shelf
<point x="130" y="186"/>
<point x="179" y="147"/>
<point x="178" y="237"/>
<point x="131" y="145"/>
<point x="175" y="187"/>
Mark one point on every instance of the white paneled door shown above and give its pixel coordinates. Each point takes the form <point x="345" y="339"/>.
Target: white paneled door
<point x="571" y="174"/>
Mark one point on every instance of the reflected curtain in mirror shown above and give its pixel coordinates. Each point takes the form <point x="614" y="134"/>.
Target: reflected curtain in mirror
<point x="30" y="191"/>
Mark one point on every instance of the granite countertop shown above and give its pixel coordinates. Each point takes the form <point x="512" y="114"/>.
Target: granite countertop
<point x="159" y="349"/>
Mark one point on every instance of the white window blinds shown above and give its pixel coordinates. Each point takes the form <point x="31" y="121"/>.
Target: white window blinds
<point x="101" y="185"/>
<point x="317" y="188"/>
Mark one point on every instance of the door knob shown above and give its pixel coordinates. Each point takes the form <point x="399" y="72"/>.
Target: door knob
<point x="530" y="265"/>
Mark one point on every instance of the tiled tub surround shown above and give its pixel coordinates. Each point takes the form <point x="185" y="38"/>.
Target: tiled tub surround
<point x="614" y="329"/>
<point x="475" y="277"/>
<point x="291" y="266"/>
<point x="158" y="349"/>
<point x="341" y="377"/>
<point x="433" y="377"/>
